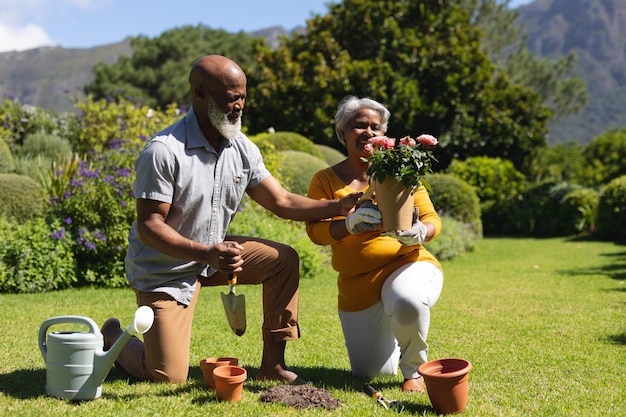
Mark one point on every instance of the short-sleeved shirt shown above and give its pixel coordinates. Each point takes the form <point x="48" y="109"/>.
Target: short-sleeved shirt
<point x="204" y="189"/>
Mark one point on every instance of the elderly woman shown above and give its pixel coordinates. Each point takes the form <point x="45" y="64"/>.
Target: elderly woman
<point x="387" y="285"/>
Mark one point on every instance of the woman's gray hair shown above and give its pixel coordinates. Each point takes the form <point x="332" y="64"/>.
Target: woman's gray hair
<point x="349" y="106"/>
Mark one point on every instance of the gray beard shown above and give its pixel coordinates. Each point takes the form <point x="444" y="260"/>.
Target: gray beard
<point x="220" y="121"/>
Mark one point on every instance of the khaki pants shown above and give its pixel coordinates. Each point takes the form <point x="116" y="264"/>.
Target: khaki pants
<point x="164" y="354"/>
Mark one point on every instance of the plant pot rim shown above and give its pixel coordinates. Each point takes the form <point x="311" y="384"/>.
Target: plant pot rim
<point x="445" y="368"/>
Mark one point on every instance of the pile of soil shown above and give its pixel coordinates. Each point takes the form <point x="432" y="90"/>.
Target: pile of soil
<point x="301" y="396"/>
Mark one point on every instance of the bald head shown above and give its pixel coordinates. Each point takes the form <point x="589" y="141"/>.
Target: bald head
<point x="215" y="72"/>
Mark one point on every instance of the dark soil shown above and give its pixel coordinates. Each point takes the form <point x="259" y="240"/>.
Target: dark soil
<point x="301" y="396"/>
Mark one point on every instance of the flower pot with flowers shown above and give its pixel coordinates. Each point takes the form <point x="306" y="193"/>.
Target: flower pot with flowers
<point x="397" y="168"/>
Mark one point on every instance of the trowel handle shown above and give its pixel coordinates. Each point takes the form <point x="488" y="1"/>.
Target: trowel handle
<point x="43" y="330"/>
<point x="232" y="279"/>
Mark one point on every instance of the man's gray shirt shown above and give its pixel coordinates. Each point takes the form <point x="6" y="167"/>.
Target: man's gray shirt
<point x="204" y="189"/>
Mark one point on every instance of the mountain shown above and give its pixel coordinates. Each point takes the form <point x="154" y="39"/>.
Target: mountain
<point x="596" y="31"/>
<point x="46" y="77"/>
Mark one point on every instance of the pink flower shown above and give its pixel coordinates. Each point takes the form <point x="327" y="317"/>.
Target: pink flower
<point x="429" y="140"/>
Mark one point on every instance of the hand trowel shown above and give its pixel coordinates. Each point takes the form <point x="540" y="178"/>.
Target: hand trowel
<point x="235" y="307"/>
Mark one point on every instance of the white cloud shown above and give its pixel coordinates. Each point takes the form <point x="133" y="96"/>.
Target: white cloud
<point x="21" y="38"/>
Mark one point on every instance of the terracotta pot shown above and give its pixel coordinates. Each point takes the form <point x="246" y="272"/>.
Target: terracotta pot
<point x="447" y="384"/>
<point x="209" y="364"/>
<point x="395" y="203"/>
<point x="229" y="382"/>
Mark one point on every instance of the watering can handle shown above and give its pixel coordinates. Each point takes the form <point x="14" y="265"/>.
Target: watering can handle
<point x="43" y="330"/>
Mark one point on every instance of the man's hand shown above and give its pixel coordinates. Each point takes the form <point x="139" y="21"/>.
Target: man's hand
<point x="348" y="202"/>
<point x="226" y="257"/>
<point x="364" y="218"/>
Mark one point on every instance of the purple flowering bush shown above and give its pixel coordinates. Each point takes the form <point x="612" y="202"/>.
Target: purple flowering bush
<point x="96" y="207"/>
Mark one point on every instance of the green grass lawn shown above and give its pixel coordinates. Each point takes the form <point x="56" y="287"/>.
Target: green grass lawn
<point x="542" y="321"/>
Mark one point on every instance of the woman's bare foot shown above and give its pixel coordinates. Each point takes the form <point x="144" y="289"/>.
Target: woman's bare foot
<point x="413" y="385"/>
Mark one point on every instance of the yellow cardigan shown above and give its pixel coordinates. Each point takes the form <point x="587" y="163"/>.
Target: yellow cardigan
<point x="365" y="260"/>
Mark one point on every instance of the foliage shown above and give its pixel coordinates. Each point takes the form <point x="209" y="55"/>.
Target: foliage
<point x="579" y="211"/>
<point x="106" y="123"/>
<point x="290" y="141"/>
<point x="454" y="198"/>
<point x="455" y="239"/>
<point x="97" y="206"/>
<point x="331" y="155"/>
<point x="504" y="40"/>
<point x="497" y="184"/>
<point x="22" y="198"/>
<point x="298" y="169"/>
<point x="17" y="121"/>
<point x="493" y="179"/>
<point x="48" y="146"/>
<point x="254" y="220"/>
<point x="607" y="153"/>
<point x="611" y="217"/>
<point x="157" y="72"/>
<point x="563" y="162"/>
<point x="6" y="158"/>
<point x="432" y="75"/>
<point x="35" y="257"/>
<point x="406" y="160"/>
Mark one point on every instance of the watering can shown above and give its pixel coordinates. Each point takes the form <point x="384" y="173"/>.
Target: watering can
<point x="76" y="363"/>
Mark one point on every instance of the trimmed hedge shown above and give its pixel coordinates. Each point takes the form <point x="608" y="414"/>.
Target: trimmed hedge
<point x="457" y="199"/>
<point x="22" y="198"/>
<point x="611" y="220"/>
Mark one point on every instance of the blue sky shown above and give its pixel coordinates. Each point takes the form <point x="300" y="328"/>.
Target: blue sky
<point x="27" y="24"/>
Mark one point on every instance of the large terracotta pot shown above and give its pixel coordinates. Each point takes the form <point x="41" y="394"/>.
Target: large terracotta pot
<point x="447" y="384"/>
<point x="395" y="203"/>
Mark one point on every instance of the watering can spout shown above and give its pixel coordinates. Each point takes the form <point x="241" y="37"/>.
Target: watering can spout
<point x="142" y="322"/>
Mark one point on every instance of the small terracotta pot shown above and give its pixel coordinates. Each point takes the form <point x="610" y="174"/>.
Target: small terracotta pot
<point x="395" y="203"/>
<point x="229" y="382"/>
<point x="447" y="384"/>
<point x="209" y="364"/>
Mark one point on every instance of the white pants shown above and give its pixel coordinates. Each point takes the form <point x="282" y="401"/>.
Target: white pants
<point x="394" y="329"/>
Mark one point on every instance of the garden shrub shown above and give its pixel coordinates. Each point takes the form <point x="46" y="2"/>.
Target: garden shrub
<point x="498" y="186"/>
<point x="35" y="257"/>
<point x="254" y="220"/>
<point x="46" y="145"/>
<point x="298" y="169"/>
<point x="541" y="212"/>
<point x="455" y="239"/>
<point x="22" y="198"/>
<point x="606" y="155"/>
<point x="455" y="198"/>
<point x="291" y="141"/>
<point x="97" y="205"/>
<point x="6" y="158"/>
<point x="18" y="120"/>
<point x="331" y="155"/>
<point x="104" y="123"/>
<point x="578" y="211"/>
<point x="611" y="216"/>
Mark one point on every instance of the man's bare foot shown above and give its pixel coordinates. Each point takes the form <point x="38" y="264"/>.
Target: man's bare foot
<point x="111" y="331"/>
<point x="281" y="374"/>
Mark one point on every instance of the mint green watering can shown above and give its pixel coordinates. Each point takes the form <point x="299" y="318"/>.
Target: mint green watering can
<point x="76" y="363"/>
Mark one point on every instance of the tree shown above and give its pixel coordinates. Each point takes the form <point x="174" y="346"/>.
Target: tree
<point x="504" y="40"/>
<point x="421" y="58"/>
<point x="158" y="69"/>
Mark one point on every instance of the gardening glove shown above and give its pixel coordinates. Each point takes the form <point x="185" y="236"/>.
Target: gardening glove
<point x="415" y="236"/>
<point x="366" y="217"/>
